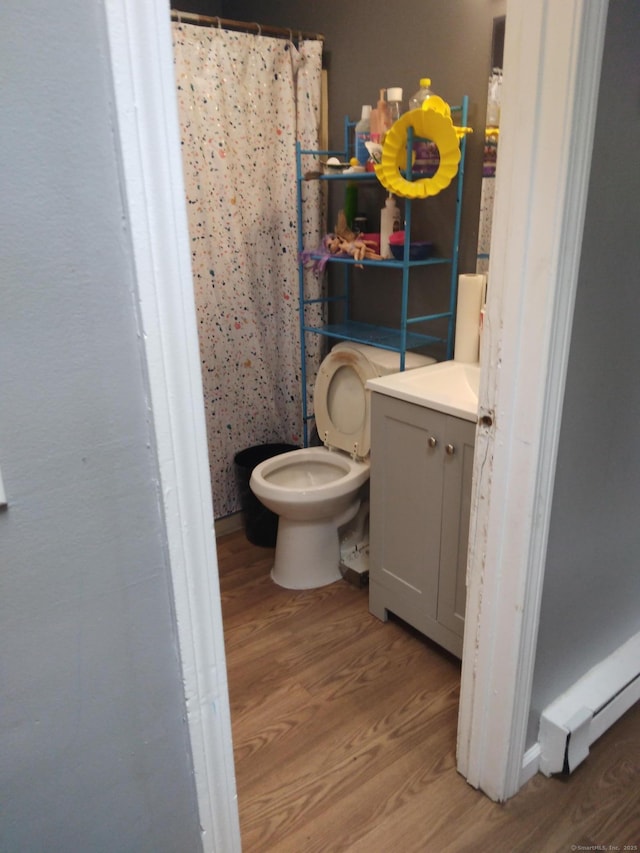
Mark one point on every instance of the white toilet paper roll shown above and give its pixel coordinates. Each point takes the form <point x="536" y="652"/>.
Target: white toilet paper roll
<point x="471" y="291"/>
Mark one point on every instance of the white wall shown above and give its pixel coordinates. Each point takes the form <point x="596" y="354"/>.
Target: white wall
<point x="94" y="744"/>
<point x="591" y="596"/>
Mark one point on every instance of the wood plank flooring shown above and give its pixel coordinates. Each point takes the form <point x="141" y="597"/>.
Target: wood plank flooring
<point x="345" y="730"/>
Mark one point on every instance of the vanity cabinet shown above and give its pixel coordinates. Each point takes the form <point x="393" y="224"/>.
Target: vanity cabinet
<point x="421" y="473"/>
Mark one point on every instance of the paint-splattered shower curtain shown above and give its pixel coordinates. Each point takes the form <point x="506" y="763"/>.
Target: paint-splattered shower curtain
<point x="243" y="100"/>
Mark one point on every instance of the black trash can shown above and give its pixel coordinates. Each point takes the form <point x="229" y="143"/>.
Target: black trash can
<point x="260" y="524"/>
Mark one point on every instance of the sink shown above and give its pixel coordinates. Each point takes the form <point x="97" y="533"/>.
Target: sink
<point x="449" y="386"/>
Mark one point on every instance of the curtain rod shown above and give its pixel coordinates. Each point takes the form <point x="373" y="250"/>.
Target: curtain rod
<point x="247" y="26"/>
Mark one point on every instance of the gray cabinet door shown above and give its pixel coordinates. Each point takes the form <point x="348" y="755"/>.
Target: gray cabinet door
<point x="406" y="507"/>
<point x="456" y="510"/>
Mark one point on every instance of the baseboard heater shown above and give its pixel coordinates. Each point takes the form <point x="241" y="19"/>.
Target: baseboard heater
<point x="577" y="718"/>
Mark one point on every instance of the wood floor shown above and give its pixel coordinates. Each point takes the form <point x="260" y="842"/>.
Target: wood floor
<point x="344" y="736"/>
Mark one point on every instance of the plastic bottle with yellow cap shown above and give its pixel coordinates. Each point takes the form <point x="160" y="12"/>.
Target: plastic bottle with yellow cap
<point x="417" y="100"/>
<point x="425" y="155"/>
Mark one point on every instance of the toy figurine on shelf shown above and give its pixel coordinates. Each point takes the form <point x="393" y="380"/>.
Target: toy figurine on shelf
<point x="346" y="242"/>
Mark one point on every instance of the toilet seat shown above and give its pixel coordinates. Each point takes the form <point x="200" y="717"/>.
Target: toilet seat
<point x="341" y="401"/>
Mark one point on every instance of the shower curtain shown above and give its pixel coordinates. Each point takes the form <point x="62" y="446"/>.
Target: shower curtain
<point x="243" y="100"/>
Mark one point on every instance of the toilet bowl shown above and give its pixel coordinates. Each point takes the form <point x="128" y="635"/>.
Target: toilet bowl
<point x="315" y="491"/>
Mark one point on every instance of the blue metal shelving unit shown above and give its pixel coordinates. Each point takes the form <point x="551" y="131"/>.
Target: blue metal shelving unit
<point x="403" y="337"/>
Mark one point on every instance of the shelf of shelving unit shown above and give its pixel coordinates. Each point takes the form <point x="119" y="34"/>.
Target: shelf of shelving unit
<point x="398" y="339"/>
<point x="378" y="336"/>
<point x="392" y="264"/>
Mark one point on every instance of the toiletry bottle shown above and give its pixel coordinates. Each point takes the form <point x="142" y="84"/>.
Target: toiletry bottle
<point x="363" y="135"/>
<point x="394" y="103"/>
<point x="493" y="98"/>
<point x="390" y="221"/>
<point x="351" y="204"/>
<point x="379" y="118"/>
<point x="418" y="98"/>
<point x="360" y="224"/>
<point x="422" y="153"/>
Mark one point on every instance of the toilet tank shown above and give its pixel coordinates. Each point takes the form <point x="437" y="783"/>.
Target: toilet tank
<point x="386" y="362"/>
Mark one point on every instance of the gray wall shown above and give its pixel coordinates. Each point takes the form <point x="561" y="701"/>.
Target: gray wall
<point x="591" y="596"/>
<point x="94" y="745"/>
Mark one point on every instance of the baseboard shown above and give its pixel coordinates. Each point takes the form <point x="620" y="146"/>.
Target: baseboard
<point x="577" y="718"/>
<point x="530" y="764"/>
<point x="228" y="524"/>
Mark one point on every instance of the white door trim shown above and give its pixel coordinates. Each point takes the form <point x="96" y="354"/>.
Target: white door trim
<point x="146" y="132"/>
<point x="553" y="55"/>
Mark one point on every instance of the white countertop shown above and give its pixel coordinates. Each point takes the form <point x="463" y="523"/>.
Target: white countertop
<point x="449" y="386"/>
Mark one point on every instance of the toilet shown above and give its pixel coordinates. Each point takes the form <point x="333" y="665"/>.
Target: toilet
<point x="315" y="491"/>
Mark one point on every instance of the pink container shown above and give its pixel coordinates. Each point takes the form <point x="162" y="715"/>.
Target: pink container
<point x="397" y="238"/>
<point x="373" y="241"/>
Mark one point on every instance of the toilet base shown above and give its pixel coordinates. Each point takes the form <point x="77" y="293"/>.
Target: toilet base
<point x="307" y="554"/>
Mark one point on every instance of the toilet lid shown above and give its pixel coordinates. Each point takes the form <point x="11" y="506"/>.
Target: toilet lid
<point x="341" y="402"/>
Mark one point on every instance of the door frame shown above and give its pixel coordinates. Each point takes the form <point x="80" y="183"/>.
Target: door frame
<point x="146" y="131"/>
<point x="553" y="57"/>
<point x="536" y="248"/>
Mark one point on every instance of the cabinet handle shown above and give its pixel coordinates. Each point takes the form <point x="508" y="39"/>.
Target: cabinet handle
<point x="432" y="441"/>
<point x="450" y="449"/>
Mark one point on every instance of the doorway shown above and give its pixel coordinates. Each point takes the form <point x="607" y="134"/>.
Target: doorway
<point x="496" y="701"/>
